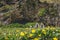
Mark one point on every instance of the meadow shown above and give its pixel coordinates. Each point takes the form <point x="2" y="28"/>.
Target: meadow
<point x="48" y="33"/>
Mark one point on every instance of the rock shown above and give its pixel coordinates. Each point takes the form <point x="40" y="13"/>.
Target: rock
<point x="42" y="25"/>
<point x="36" y="25"/>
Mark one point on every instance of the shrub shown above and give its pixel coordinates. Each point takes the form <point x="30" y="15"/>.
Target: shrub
<point x="42" y="11"/>
<point x="13" y="25"/>
<point x="30" y="24"/>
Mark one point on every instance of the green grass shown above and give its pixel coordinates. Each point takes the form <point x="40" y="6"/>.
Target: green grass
<point x="15" y="33"/>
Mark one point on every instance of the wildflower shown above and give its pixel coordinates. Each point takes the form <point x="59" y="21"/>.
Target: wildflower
<point x="33" y="30"/>
<point x="39" y="35"/>
<point x="17" y="30"/>
<point x="16" y="34"/>
<point x="22" y="34"/>
<point x="55" y="38"/>
<point x="47" y="28"/>
<point x="43" y="31"/>
<point x="52" y="28"/>
<point x="30" y="35"/>
<point x="35" y="39"/>
<point x="25" y="32"/>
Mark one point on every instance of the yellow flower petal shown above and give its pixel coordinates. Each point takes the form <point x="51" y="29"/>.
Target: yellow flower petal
<point x="22" y="34"/>
<point x="35" y="39"/>
<point x="33" y="30"/>
<point x="17" y="30"/>
<point x="30" y="35"/>
<point x="55" y="38"/>
<point x="39" y="35"/>
<point x="16" y="34"/>
<point x="43" y="31"/>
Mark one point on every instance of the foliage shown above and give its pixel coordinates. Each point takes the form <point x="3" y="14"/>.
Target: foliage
<point x="13" y="25"/>
<point x="42" y="11"/>
<point x="29" y="24"/>
<point x="8" y="6"/>
<point x="29" y="11"/>
<point x="29" y="34"/>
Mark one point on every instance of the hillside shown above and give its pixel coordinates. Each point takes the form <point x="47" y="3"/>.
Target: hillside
<point x="24" y="11"/>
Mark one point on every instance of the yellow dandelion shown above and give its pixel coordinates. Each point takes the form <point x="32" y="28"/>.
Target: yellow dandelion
<point x="39" y="35"/>
<point x="22" y="34"/>
<point x="16" y="34"/>
<point x="55" y="38"/>
<point x="35" y="39"/>
<point x="25" y="32"/>
<point x="33" y="30"/>
<point x="30" y="35"/>
<point x="17" y="30"/>
<point x="43" y="31"/>
<point x="47" y="28"/>
<point x="52" y="28"/>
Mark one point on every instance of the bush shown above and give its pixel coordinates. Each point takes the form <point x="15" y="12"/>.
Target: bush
<point x="30" y="24"/>
<point x="27" y="25"/>
<point x="13" y="25"/>
<point x="42" y="11"/>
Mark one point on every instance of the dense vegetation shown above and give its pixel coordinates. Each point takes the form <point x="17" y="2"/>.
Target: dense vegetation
<point x="25" y="11"/>
<point x="49" y="33"/>
<point x="29" y="19"/>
